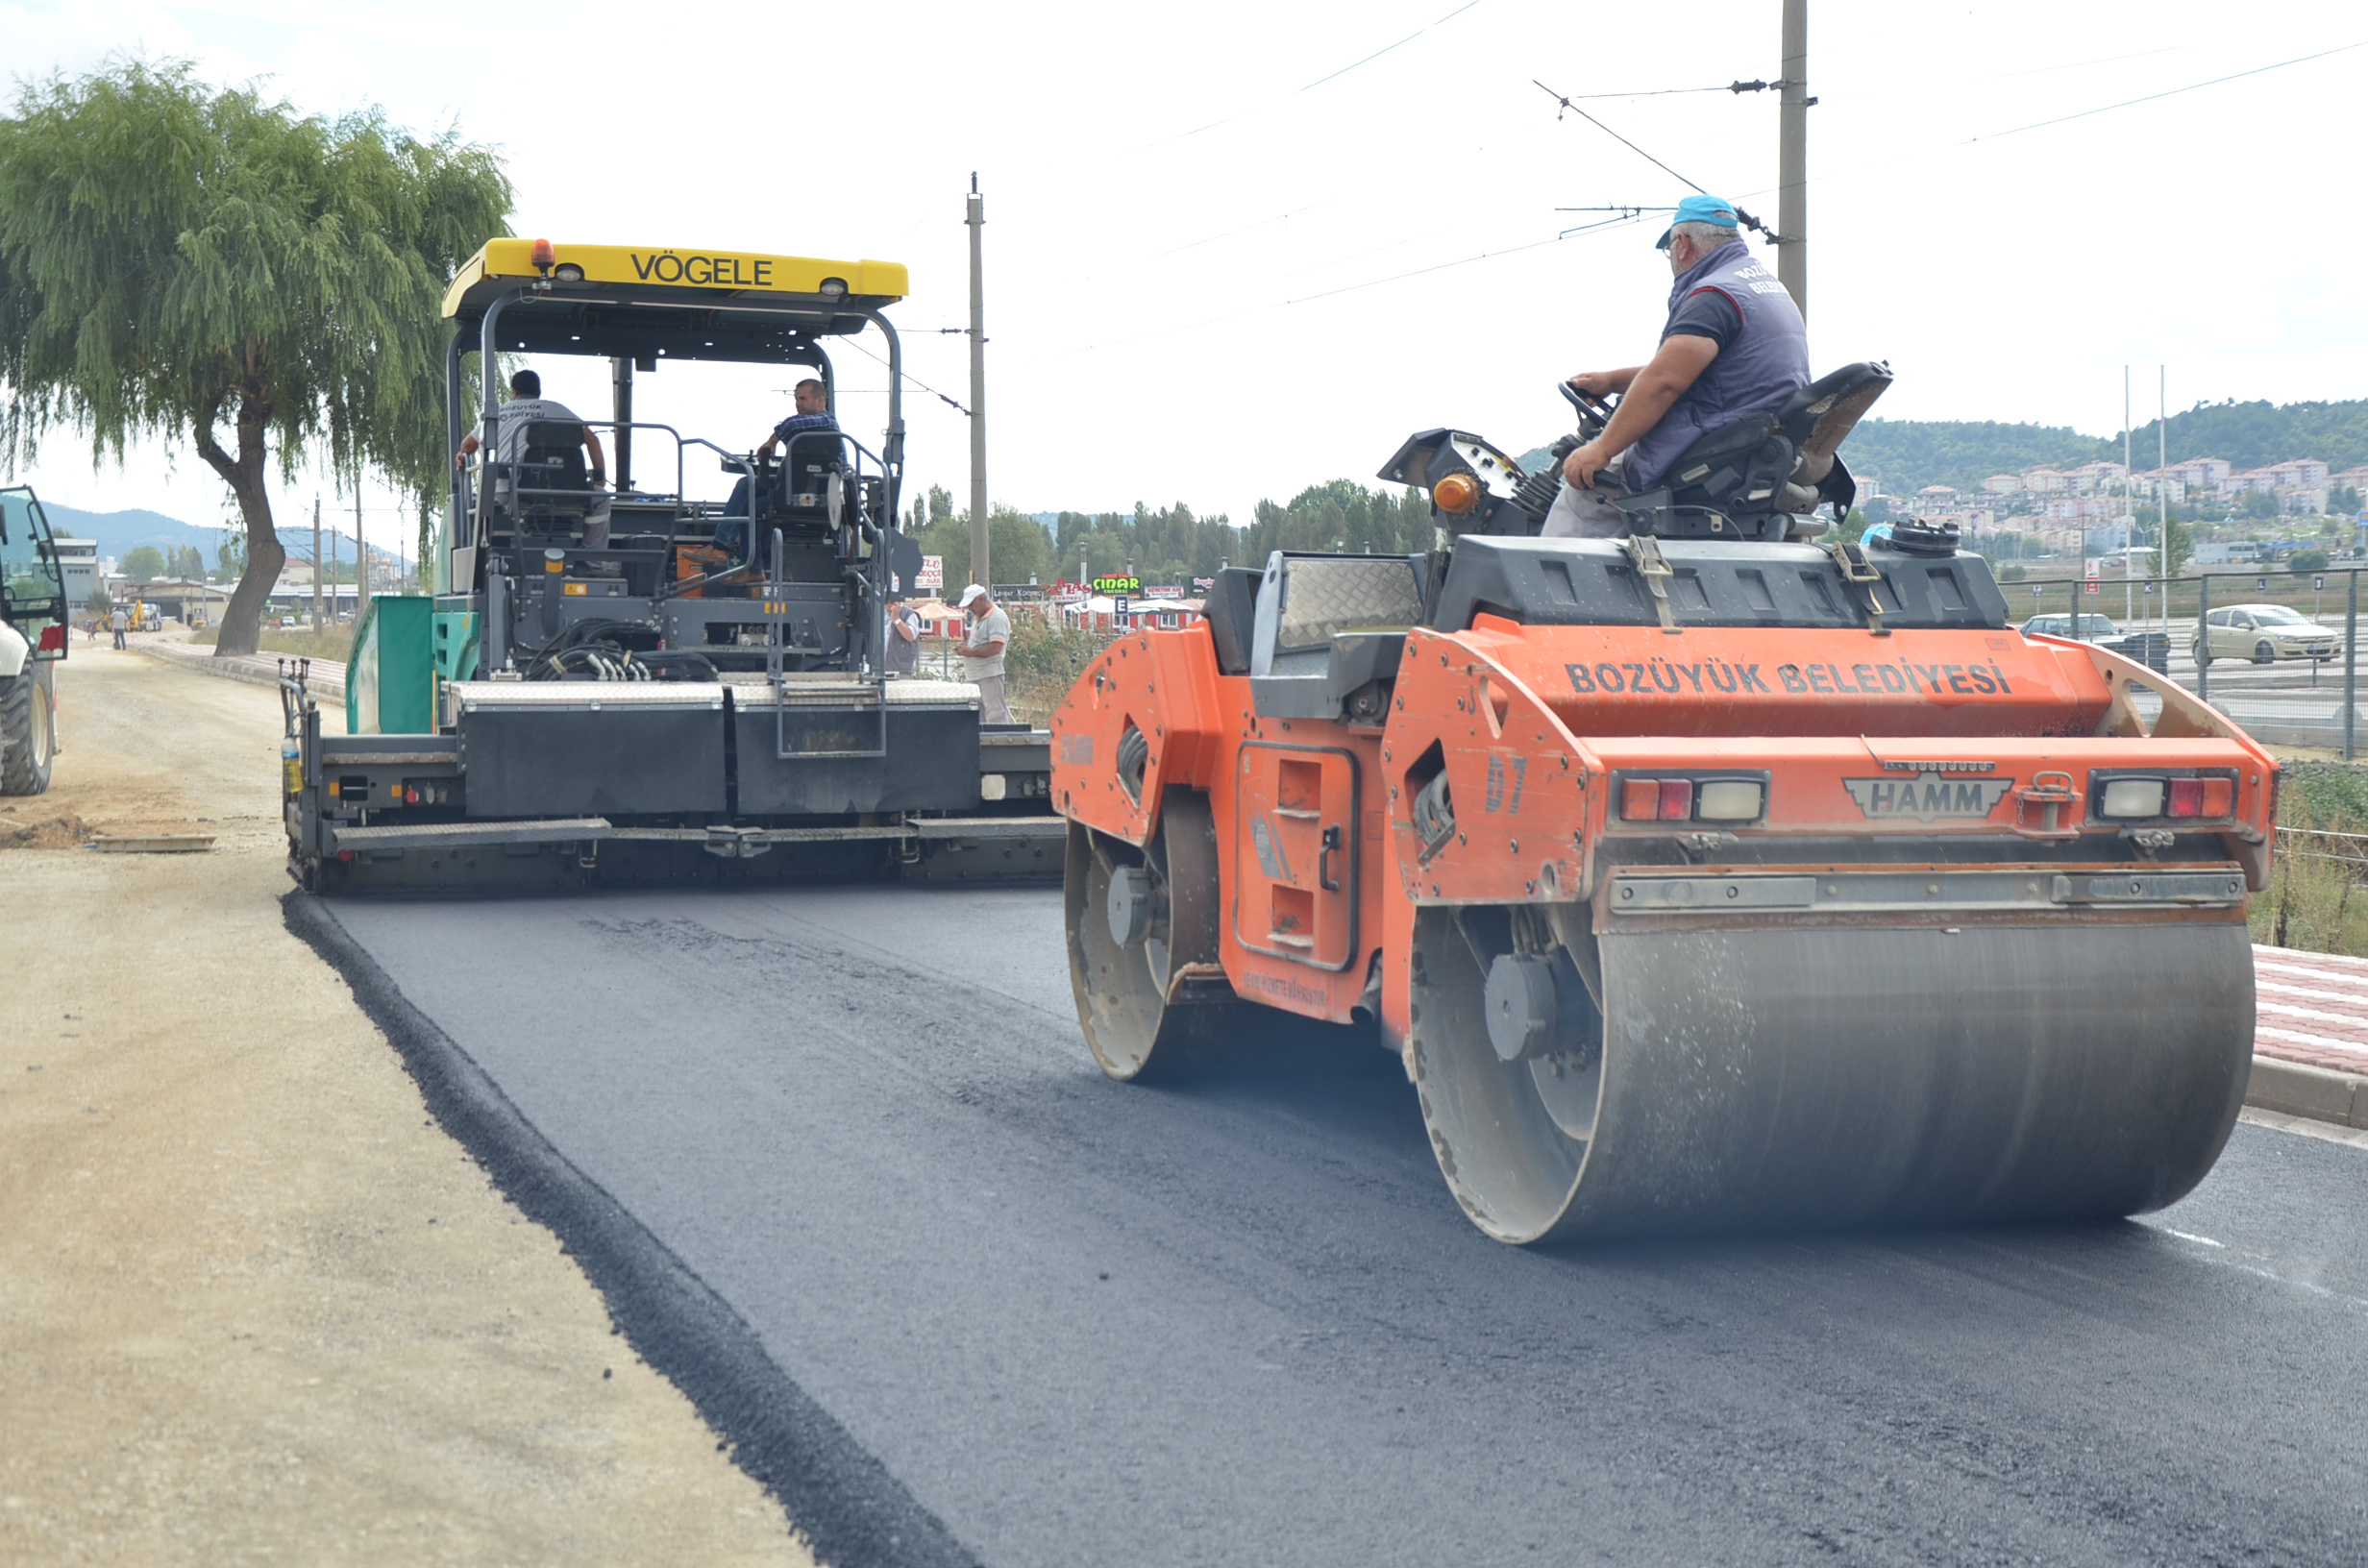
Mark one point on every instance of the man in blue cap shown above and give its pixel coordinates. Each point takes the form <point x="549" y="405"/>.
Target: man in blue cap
<point x="1734" y="345"/>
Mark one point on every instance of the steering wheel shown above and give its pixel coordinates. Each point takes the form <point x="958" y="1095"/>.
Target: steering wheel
<point x="1587" y="403"/>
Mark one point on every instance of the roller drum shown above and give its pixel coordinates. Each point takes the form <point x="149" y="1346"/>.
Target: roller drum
<point x="1830" y="1076"/>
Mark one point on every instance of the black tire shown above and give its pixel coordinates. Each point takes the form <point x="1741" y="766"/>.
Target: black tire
<point x="2195" y="651"/>
<point x="2264" y="653"/>
<point x="24" y="734"/>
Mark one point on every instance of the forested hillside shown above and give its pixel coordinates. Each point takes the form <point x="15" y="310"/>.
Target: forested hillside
<point x="1910" y="454"/>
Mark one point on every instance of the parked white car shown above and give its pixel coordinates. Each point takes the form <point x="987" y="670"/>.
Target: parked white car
<point x="2263" y="634"/>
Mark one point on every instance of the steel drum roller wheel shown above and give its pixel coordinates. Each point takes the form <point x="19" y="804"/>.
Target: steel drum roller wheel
<point x="1143" y="931"/>
<point x="1814" y="1077"/>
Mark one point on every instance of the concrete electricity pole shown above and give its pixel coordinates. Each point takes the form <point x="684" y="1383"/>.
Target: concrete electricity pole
<point x="978" y="222"/>
<point x="316" y="561"/>
<point x="361" y="558"/>
<point x="1793" y="159"/>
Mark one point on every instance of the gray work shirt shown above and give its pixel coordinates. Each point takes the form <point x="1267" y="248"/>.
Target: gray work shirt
<point x="520" y="412"/>
<point x="994" y="626"/>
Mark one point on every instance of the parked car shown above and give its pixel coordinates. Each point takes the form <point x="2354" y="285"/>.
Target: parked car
<point x="2151" y="648"/>
<point x="2095" y="628"/>
<point x="2263" y="634"/>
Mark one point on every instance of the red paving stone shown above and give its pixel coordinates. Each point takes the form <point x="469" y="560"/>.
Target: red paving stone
<point x="2311" y="1007"/>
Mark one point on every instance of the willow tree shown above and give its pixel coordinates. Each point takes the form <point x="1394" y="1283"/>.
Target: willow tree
<point x="206" y="266"/>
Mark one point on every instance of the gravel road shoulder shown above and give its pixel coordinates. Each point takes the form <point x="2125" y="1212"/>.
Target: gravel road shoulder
<point x="255" y="1304"/>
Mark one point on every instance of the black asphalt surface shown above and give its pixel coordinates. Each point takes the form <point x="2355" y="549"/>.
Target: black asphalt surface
<point x="1237" y="1319"/>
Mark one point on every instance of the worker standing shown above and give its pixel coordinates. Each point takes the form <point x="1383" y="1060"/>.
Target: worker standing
<point x="982" y="653"/>
<point x="902" y="637"/>
<point x="122" y="623"/>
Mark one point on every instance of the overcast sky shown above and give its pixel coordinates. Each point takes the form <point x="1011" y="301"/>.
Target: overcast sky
<point x="1229" y="245"/>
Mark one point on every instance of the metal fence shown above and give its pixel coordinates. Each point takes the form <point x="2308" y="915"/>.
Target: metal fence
<point x="2178" y="607"/>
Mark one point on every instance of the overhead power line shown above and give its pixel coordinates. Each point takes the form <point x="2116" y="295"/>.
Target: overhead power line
<point x="915" y="379"/>
<point x="1400" y="44"/>
<point x="1182" y="136"/>
<point x="2172" y="92"/>
<point x="1741" y="217"/>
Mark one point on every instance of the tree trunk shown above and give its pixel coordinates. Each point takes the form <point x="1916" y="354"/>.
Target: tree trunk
<point x="243" y="620"/>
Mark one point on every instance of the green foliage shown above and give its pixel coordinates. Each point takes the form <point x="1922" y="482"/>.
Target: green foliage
<point x="100" y="603"/>
<point x="173" y="257"/>
<point x="145" y="564"/>
<point x="2343" y="497"/>
<point x="232" y="553"/>
<point x="1341" y="514"/>
<point x="2259" y="503"/>
<point x="2178" y="547"/>
<point x="1017" y="548"/>
<point x="2307" y="560"/>
<point x="1169" y="546"/>
<point x="1910" y="454"/>
<point x="2011" y="571"/>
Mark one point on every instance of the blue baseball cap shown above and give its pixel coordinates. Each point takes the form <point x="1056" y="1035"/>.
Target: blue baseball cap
<point x="1715" y="210"/>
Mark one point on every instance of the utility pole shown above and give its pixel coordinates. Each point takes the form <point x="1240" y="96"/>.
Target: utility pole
<point x="978" y="222"/>
<point x="1793" y="159"/>
<point x="361" y="558"/>
<point x="2163" y="487"/>
<point x="316" y="561"/>
<point x="2128" y="493"/>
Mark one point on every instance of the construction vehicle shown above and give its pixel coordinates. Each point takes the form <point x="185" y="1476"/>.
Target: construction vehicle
<point x="1716" y="876"/>
<point x="33" y="639"/>
<point x="695" y="692"/>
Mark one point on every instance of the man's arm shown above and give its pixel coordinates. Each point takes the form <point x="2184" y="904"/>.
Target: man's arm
<point x="1602" y="384"/>
<point x="600" y="463"/>
<point x="1651" y="390"/>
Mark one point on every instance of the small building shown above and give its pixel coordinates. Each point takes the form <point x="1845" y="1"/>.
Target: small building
<point x="78" y="561"/>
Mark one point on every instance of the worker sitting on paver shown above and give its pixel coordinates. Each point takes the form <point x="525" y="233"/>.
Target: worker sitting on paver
<point x="528" y="406"/>
<point x="813" y="413"/>
<point x="1735" y="345"/>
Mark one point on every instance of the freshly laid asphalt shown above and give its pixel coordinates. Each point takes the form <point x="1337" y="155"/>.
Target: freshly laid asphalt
<point x="1047" y="1318"/>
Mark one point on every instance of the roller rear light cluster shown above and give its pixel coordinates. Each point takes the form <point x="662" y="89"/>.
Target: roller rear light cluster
<point x="1659" y="800"/>
<point x="2159" y="798"/>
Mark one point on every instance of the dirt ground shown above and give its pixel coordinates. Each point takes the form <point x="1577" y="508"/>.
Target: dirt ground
<point x="254" y="1306"/>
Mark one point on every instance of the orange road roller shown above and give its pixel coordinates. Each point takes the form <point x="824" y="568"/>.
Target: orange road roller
<point x="1709" y="877"/>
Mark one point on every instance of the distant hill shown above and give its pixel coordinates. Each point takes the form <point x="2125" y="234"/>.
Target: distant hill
<point x="119" y="533"/>
<point x="1910" y="454"/>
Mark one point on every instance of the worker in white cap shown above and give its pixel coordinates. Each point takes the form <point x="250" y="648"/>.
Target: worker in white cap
<point x="982" y="653"/>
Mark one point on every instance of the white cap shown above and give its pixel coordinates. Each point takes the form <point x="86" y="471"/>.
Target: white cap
<point x="973" y="591"/>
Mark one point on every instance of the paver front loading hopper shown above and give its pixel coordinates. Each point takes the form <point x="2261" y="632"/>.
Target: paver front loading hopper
<point x="1700" y="884"/>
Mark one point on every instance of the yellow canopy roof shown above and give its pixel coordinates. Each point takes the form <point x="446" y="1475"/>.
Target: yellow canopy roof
<point x="748" y="279"/>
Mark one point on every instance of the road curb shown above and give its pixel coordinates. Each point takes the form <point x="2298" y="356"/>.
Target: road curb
<point x="2300" y="1091"/>
<point x="842" y="1499"/>
<point x="255" y="670"/>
